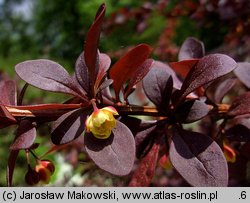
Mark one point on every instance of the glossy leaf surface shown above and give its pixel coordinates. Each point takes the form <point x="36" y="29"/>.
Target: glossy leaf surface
<point x="139" y="75"/>
<point x="126" y="66"/>
<point x="198" y="159"/>
<point x="47" y="75"/>
<point x="183" y="67"/>
<point x="207" y="69"/>
<point x="91" y="45"/>
<point x="240" y="105"/>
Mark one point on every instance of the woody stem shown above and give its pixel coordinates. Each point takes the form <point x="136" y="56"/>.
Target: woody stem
<point x="56" y="110"/>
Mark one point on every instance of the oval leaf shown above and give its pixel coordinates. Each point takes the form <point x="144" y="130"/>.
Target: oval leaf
<point x="69" y="126"/>
<point x="240" y="105"/>
<point x="243" y="73"/>
<point x="143" y="131"/>
<point x="207" y="69"/>
<point x="158" y="86"/>
<point x="81" y="73"/>
<point x="191" y="111"/>
<point x="105" y="84"/>
<point x="47" y="75"/>
<point x="198" y="159"/>
<point x="146" y="169"/>
<point x="115" y="154"/>
<point x="25" y="136"/>
<point x="126" y="66"/>
<point x="191" y="48"/>
<point x="218" y="89"/>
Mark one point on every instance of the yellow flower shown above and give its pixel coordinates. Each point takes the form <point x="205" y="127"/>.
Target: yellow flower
<point x="101" y="122"/>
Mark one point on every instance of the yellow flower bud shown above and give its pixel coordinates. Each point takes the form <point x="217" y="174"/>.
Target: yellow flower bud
<point x="101" y="122"/>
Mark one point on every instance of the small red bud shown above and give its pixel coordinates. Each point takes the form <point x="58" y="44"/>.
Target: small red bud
<point x="44" y="174"/>
<point x="31" y="177"/>
<point x="45" y="168"/>
<point x="48" y="165"/>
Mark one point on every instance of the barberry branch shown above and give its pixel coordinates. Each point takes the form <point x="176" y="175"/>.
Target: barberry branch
<point x="56" y="110"/>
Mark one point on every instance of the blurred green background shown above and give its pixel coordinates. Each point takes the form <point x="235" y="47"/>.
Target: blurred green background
<point x="31" y="29"/>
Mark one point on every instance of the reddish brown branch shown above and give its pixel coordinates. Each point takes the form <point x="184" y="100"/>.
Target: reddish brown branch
<point x="56" y="110"/>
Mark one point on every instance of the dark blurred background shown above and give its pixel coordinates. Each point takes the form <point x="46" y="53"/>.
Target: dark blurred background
<point x="31" y="29"/>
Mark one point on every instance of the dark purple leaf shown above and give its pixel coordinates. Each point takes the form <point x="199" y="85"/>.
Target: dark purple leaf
<point x="143" y="131"/>
<point x="6" y="118"/>
<point x="198" y="159"/>
<point x="238" y="133"/>
<point x="158" y="86"/>
<point x="243" y="73"/>
<point x="115" y="154"/>
<point x="81" y="73"/>
<point x="140" y="73"/>
<point x="240" y="105"/>
<point x="47" y="75"/>
<point x="69" y="126"/>
<point x="176" y="81"/>
<point x="11" y="166"/>
<point x="105" y="84"/>
<point x="91" y="46"/>
<point x="241" y="120"/>
<point x="127" y="65"/>
<point x="146" y="169"/>
<point x="191" y="111"/>
<point x="191" y="48"/>
<point x="207" y="69"/>
<point x="25" y="135"/>
<point x="8" y="92"/>
<point x="218" y="89"/>
<point x="106" y="93"/>
<point x="104" y="65"/>
<point x="238" y="170"/>
<point x="245" y="150"/>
